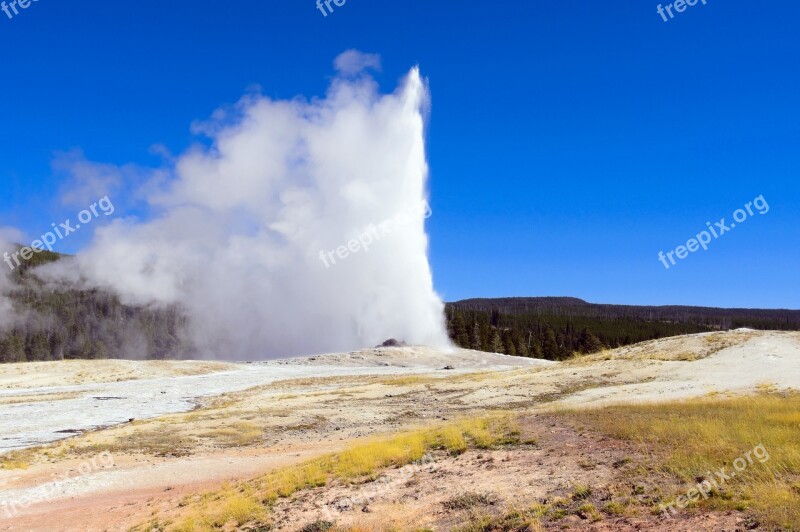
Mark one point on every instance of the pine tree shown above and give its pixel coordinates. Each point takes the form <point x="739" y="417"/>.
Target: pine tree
<point x="477" y="342"/>
<point x="588" y="343"/>
<point x="508" y="344"/>
<point x="494" y="320"/>
<point x="522" y="349"/>
<point x="497" y="344"/>
<point x="550" y="350"/>
<point x="460" y="334"/>
<point x="535" y="349"/>
<point x="486" y="338"/>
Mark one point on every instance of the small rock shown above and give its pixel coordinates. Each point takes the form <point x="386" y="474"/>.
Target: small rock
<point x="391" y="342"/>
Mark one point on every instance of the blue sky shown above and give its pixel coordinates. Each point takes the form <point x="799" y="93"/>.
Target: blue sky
<point x="569" y="141"/>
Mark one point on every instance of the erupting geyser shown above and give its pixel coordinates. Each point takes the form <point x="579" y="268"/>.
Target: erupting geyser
<point x="240" y="223"/>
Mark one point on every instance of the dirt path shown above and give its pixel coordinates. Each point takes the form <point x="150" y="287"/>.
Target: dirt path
<point x="125" y="494"/>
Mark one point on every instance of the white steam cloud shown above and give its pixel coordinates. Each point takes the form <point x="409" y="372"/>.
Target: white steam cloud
<point x="354" y="62"/>
<point x="241" y="223"/>
<point x="8" y="316"/>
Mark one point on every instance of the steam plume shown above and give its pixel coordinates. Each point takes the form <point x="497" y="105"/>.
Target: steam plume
<point x="8" y="316"/>
<point x="241" y="223"/>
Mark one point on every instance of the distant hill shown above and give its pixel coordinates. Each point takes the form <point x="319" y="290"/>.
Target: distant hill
<point x="68" y="323"/>
<point x="557" y="327"/>
<point x="571" y="306"/>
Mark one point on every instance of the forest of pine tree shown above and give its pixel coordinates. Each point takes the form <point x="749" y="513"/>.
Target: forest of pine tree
<point x="87" y="324"/>
<point x="557" y="328"/>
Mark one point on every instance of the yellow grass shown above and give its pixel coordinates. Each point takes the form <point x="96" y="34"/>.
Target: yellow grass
<point x="228" y="506"/>
<point x="238" y="434"/>
<point x="249" y="502"/>
<point x="15" y="460"/>
<point x="407" y="380"/>
<point x="158" y="441"/>
<point x="365" y="459"/>
<point x="691" y="438"/>
<point x="412" y="380"/>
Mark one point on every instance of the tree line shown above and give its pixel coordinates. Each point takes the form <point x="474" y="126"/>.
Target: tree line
<point x="557" y="328"/>
<point x="68" y="323"/>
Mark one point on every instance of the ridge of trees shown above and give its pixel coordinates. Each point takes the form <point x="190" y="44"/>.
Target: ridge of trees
<point x="555" y="328"/>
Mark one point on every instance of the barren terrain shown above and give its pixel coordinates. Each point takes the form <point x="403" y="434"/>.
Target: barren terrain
<point x="233" y="422"/>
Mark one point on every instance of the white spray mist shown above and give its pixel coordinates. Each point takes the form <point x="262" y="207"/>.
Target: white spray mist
<point x="241" y="224"/>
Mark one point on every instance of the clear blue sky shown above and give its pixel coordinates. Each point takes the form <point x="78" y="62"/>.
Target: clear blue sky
<point x="570" y="141"/>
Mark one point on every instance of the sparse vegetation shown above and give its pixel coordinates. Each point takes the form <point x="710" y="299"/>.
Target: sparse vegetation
<point x="156" y="441"/>
<point x="409" y="380"/>
<point x="510" y="521"/>
<point x="228" y="506"/>
<point x="17" y="459"/>
<point x="249" y="502"/>
<point x="615" y="507"/>
<point x="581" y="492"/>
<point x="689" y="439"/>
<point x="318" y="526"/>
<point x="589" y="512"/>
<point x="238" y="434"/>
<point x="469" y="500"/>
<point x="542" y="514"/>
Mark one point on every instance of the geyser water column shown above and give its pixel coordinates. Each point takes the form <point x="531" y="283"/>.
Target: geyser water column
<point x="240" y="221"/>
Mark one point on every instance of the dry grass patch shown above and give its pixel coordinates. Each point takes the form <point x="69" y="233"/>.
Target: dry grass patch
<point x="408" y="380"/>
<point x="359" y="463"/>
<point x="692" y="439"/>
<point x="310" y="424"/>
<point x="157" y="441"/>
<point x="17" y="459"/>
<point x="516" y="520"/>
<point x="469" y="500"/>
<point x="228" y="507"/>
<point x="239" y="434"/>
